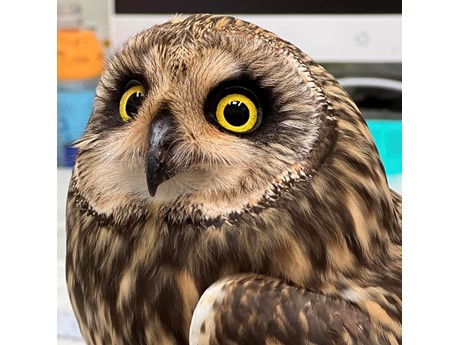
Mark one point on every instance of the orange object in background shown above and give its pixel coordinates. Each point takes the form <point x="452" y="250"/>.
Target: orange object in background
<point x="79" y="54"/>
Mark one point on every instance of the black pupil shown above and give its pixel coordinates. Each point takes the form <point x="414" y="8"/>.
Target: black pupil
<point x="133" y="103"/>
<point x="236" y="113"/>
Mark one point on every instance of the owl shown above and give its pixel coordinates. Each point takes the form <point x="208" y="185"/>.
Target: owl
<point x="227" y="190"/>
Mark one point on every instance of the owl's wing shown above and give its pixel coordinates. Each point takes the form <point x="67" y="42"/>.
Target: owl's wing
<point x="254" y="309"/>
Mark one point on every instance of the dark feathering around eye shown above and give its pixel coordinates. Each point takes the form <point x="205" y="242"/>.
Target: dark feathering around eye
<point x="236" y="105"/>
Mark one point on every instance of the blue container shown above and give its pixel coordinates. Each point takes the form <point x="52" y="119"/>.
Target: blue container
<point x="74" y="107"/>
<point x="388" y="138"/>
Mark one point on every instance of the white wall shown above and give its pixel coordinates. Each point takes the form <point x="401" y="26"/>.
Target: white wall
<point x="95" y="14"/>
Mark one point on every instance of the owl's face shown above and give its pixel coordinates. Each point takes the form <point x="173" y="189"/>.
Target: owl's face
<point x="202" y="112"/>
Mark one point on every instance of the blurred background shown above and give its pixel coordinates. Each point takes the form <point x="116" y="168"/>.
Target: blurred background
<point x="359" y="42"/>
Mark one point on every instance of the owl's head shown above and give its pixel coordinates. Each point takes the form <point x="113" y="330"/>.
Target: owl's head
<point x="210" y="116"/>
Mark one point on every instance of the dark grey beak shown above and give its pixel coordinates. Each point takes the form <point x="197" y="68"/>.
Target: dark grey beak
<point x="156" y="163"/>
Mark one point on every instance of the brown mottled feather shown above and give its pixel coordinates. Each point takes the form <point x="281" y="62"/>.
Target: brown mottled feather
<point x="303" y="202"/>
<point x="255" y="309"/>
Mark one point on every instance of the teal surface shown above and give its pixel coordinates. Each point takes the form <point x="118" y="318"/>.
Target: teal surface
<point x="388" y="138"/>
<point x="74" y="107"/>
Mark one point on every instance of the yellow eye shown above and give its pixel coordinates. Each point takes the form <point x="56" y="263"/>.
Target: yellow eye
<point x="237" y="113"/>
<point x="131" y="101"/>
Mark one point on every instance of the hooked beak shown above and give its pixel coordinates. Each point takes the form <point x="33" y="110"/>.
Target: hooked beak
<point x="160" y="139"/>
